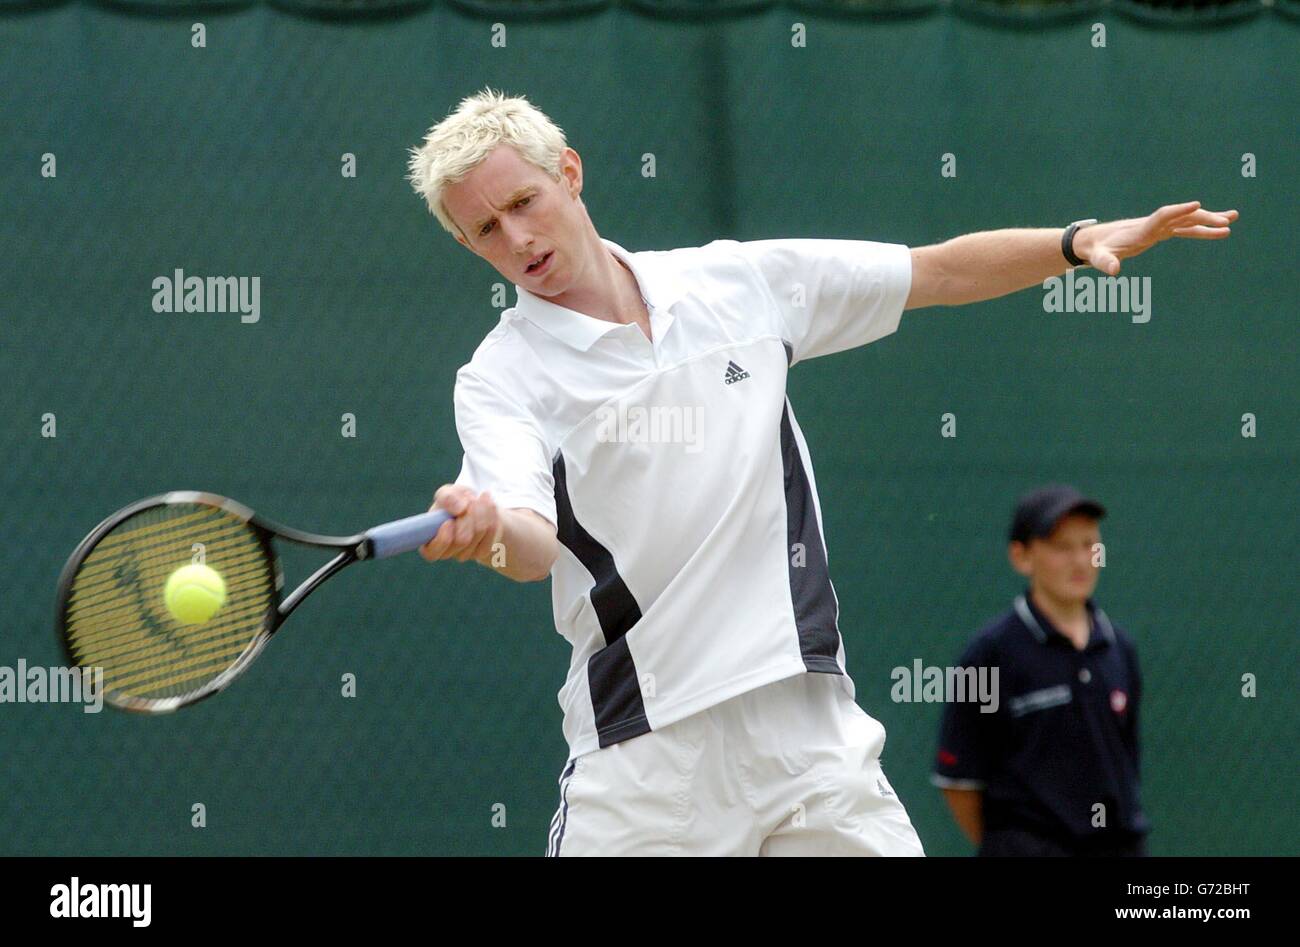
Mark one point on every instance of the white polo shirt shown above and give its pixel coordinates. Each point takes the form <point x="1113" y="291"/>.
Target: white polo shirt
<point x="692" y="565"/>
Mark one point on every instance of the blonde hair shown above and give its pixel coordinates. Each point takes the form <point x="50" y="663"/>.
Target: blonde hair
<point x="461" y="141"/>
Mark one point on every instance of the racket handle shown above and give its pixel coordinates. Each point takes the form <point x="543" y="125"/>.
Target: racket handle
<point x="399" y="536"/>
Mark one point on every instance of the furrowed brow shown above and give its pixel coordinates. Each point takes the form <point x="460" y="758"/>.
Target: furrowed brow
<point x="516" y="195"/>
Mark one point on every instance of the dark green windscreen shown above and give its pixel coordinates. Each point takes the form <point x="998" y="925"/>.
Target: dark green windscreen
<point x="226" y="160"/>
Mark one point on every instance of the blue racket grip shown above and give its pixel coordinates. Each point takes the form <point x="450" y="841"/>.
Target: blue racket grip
<point x="399" y="536"/>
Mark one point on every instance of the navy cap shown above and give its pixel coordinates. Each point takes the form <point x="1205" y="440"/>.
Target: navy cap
<point x="1038" y="512"/>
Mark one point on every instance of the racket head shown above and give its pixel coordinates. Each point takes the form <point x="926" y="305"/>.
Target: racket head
<point x="111" y="611"/>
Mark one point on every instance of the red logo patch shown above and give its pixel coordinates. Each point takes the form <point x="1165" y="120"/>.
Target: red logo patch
<point x="947" y="759"/>
<point x="1118" y="701"/>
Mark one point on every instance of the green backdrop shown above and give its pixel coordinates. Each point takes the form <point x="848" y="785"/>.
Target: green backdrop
<point x="226" y="160"/>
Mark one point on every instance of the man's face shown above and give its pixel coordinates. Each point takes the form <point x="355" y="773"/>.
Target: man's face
<point x="511" y="212"/>
<point x="1061" y="564"/>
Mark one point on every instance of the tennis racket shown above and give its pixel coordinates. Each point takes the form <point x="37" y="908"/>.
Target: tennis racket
<point x="112" y="611"/>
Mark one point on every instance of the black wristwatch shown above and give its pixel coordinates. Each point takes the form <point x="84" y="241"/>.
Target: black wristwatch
<point x="1067" y="241"/>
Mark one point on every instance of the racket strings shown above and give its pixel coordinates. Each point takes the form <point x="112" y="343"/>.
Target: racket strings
<point x="111" y="564"/>
<point x="117" y="618"/>
<point x="111" y="611"/>
<point x="137" y="652"/>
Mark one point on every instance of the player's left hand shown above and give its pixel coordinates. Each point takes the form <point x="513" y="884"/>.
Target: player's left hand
<point x="1104" y="245"/>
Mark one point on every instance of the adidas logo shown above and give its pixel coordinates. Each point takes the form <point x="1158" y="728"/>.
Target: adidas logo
<point x="734" y="373"/>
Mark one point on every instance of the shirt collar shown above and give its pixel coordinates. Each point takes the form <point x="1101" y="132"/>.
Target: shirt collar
<point x="1040" y="626"/>
<point x="660" y="288"/>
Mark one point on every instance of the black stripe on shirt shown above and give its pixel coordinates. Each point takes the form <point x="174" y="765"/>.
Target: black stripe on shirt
<point x="815" y="610"/>
<point x="611" y="673"/>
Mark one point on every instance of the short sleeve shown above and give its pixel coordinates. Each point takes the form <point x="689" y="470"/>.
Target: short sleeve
<point x="966" y="734"/>
<point x="833" y="295"/>
<point x="505" y="450"/>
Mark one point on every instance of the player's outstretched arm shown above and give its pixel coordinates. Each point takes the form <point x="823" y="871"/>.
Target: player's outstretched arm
<point x="993" y="263"/>
<point x="518" y="543"/>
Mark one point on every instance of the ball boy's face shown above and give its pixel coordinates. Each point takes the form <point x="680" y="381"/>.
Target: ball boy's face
<point x="528" y="225"/>
<point x="1061" y="565"/>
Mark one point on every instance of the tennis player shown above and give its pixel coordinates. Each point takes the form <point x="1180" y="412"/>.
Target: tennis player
<point x="626" y="433"/>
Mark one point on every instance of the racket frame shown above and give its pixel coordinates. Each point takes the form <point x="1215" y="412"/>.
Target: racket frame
<point x="350" y="549"/>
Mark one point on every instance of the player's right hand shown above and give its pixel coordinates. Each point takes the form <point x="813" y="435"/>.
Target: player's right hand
<point x="474" y="531"/>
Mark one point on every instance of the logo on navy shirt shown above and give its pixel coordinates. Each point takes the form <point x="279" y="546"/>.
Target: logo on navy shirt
<point x="1118" y="701"/>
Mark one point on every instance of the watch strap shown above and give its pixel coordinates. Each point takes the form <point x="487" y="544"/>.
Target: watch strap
<point x="1067" y="241"/>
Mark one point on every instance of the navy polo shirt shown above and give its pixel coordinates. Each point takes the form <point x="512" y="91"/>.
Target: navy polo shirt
<point x="1065" y="734"/>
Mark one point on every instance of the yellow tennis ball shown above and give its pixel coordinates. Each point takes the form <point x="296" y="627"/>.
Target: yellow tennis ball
<point x="194" y="593"/>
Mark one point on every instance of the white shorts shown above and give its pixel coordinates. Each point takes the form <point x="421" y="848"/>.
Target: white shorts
<point x="791" y="768"/>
